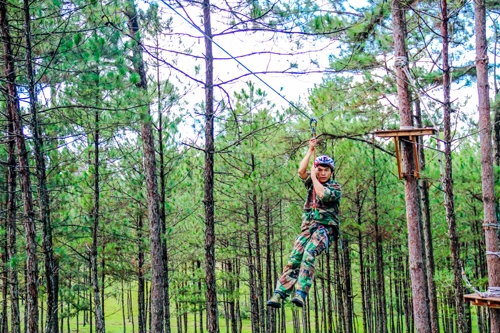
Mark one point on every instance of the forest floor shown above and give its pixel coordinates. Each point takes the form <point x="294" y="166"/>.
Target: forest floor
<point x="114" y="321"/>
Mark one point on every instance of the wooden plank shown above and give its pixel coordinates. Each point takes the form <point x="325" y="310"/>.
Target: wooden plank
<point x="396" y="144"/>
<point x="405" y="132"/>
<point x="475" y="299"/>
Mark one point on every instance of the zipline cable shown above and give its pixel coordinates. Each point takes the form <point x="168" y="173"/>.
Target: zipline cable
<point x="232" y="57"/>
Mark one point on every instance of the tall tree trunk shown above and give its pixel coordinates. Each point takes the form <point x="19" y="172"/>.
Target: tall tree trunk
<point x="329" y="298"/>
<point x="99" y="316"/>
<point x="271" y="315"/>
<point x="418" y="281"/>
<point x="496" y="126"/>
<point x="149" y="160"/>
<point x="163" y="218"/>
<point x="254" y="317"/>
<point x="140" y="278"/>
<point x="427" y="232"/>
<point x="51" y="271"/>
<point x="232" y="292"/>
<point x="15" y="318"/>
<point x="31" y="313"/>
<point x="382" y="321"/>
<point x="348" y="306"/>
<point x="258" y="259"/>
<point x="208" y="199"/>
<point x="487" y="176"/>
<point x="4" y="323"/>
<point x="447" y="178"/>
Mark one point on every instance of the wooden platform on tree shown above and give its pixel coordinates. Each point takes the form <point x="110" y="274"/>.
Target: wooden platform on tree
<point x="475" y="299"/>
<point x="405" y="132"/>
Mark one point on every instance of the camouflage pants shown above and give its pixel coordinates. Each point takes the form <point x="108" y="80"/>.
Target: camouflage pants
<point x="299" y="271"/>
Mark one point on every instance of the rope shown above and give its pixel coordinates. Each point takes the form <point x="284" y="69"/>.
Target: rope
<point x="232" y="57"/>
<point x="490" y="225"/>
<point x="491" y="253"/>
<point x="491" y="292"/>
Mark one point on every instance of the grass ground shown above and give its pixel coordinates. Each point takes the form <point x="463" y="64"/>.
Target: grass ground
<point x="114" y="321"/>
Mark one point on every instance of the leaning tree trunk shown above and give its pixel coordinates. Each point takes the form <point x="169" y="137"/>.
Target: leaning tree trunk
<point x="13" y="111"/>
<point x="417" y="272"/>
<point x="487" y="176"/>
<point x="157" y="268"/>
<point x="208" y="199"/>
<point x="447" y="178"/>
<point x="51" y="271"/>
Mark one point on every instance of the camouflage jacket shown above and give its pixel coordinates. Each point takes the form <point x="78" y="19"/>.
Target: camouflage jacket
<point x="327" y="207"/>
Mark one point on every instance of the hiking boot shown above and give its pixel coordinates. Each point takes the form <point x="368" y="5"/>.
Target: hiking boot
<point x="275" y="301"/>
<point x="298" y="300"/>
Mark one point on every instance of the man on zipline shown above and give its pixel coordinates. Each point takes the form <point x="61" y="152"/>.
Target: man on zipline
<point x="320" y="223"/>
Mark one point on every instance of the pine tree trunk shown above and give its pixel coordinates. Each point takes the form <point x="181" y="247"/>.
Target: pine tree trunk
<point x="51" y="270"/>
<point x="339" y="308"/>
<point x="487" y="175"/>
<point x="232" y="292"/>
<point x="11" y="229"/>
<point x="427" y="232"/>
<point x="140" y="278"/>
<point x="418" y="281"/>
<point x="254" y="313"/>
<point x="258" y="263"/>
<point x="329" y="298"/>
<point x="316" y="306"/>
<point x="447" y="178"/>
<point x="208" y="199"/>
<point x="271" y="314"/>
<point x="4" y="323"/>
<point x="99" y="316"/>
<point x="382" y="315"/>
<point x="496" y="126"/>
<point x="149" y="160"/>
<point x="239" y="322"/>
<point x="122" y="295"/>
<point x="359" y="206"/>
<point x="31" y="314"/>
<point x="163" y="218"/>
<point x="348" y="306"/>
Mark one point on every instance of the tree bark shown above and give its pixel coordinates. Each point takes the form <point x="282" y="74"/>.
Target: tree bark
<point x="31" y="313"/>
<point x="382" y="322"/>
<point x="271" y="315"/>
<point x="149" y="160"/>
<point x="163" y="218"/>
<point x="208" y="199"/>
<point x="51" y="270"/>
<point x="4" y="323"/>
<point x="99" y="316"/>
<point x="11" y="229"/>
<point x="254" y="316"/>
<point x="417" y="272"/>
<point x="140" y="277"/>
<point x="487" y="175"/>
<point x="427" y="232"/>
<point x="447" y="178"/>
<point x="348" y="306"/>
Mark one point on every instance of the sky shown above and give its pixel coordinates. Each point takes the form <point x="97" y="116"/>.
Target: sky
<point x="295" y="88"/>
